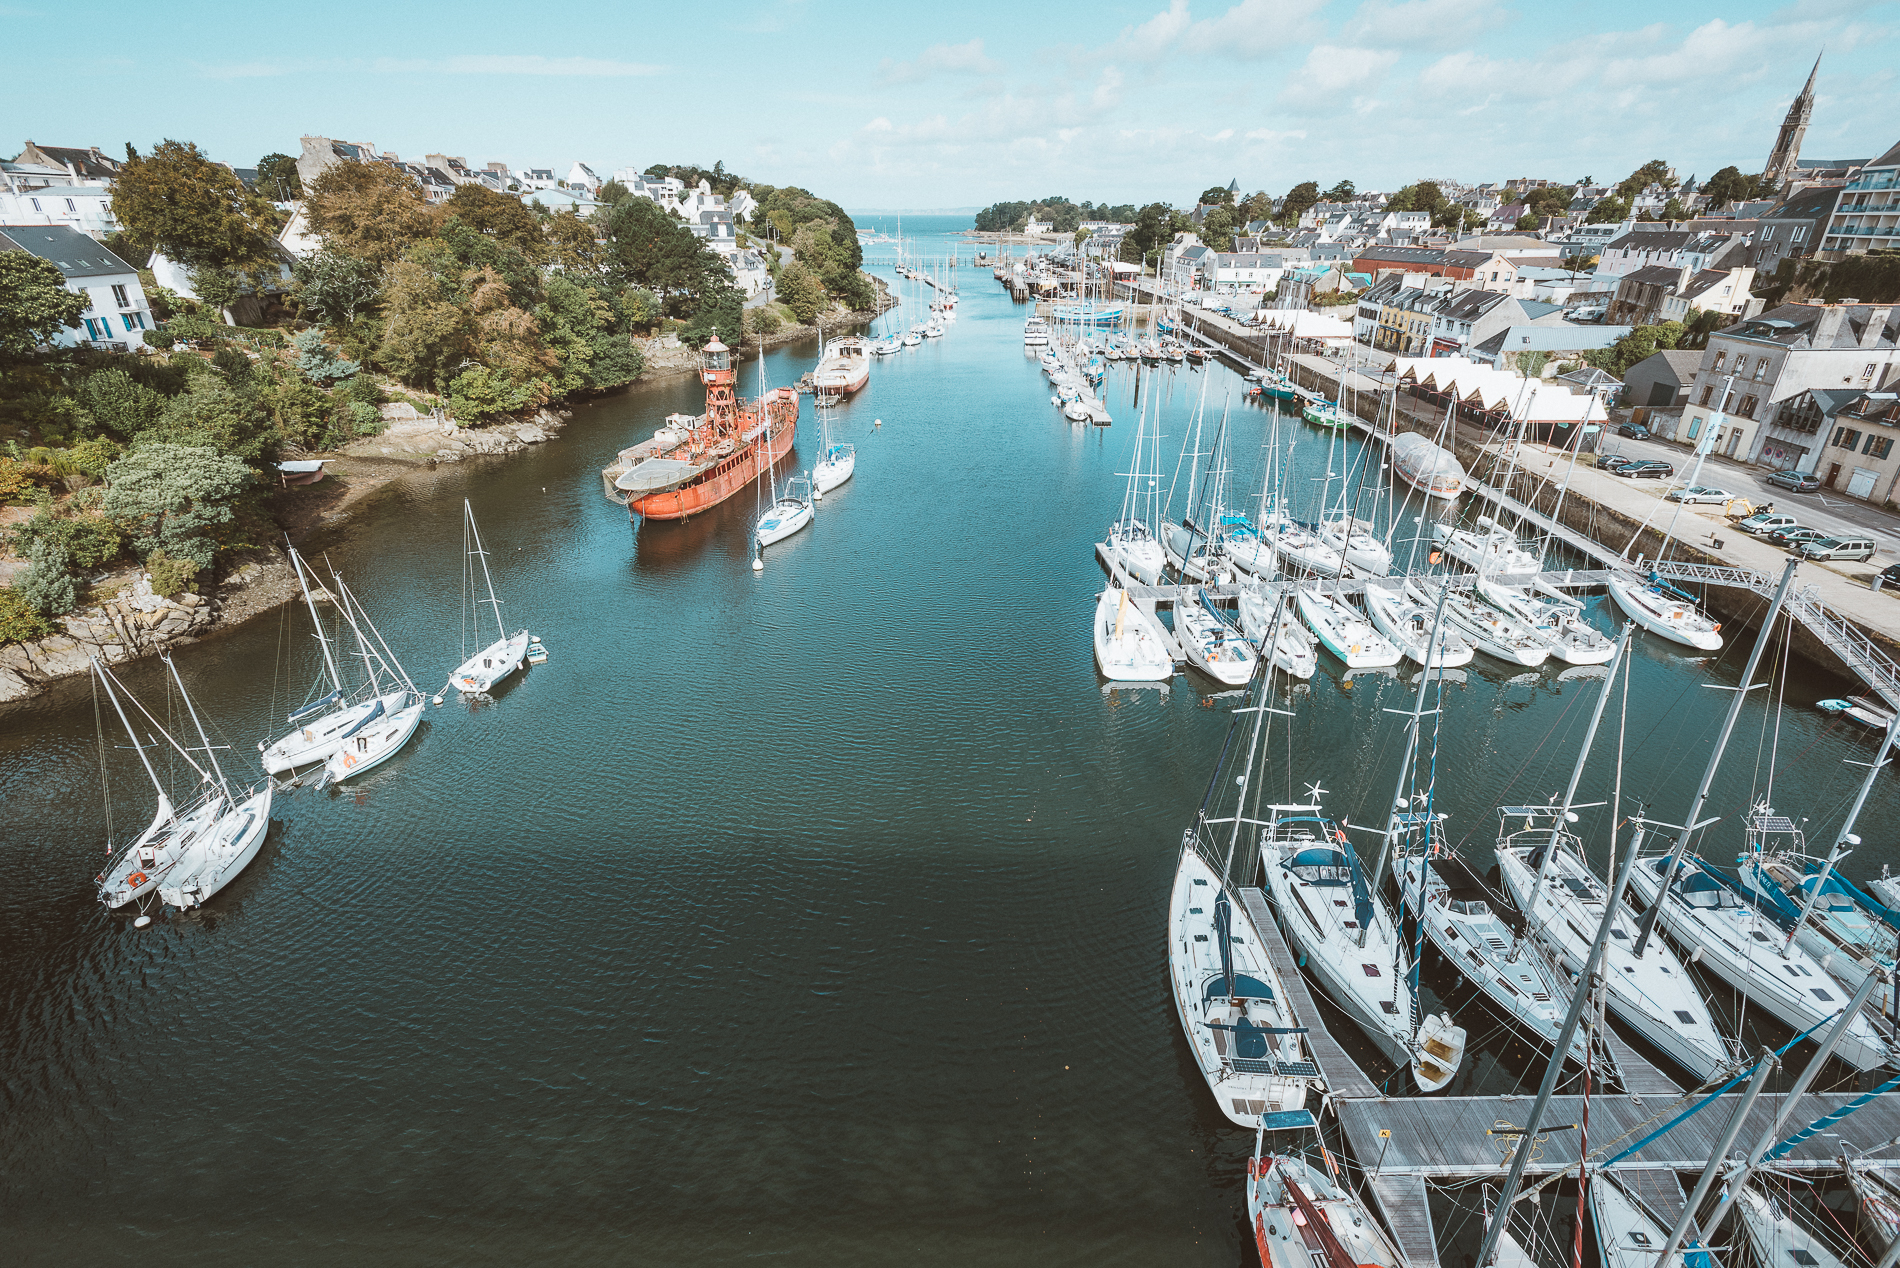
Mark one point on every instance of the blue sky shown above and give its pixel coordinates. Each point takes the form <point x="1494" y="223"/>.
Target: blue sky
<point x="913" y="106"/>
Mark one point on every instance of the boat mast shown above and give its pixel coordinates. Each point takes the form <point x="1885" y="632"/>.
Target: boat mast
<point x="329" y="663"/>
<point x="119" y="709"/>
<point x="1847" y="837"/>
<point x="1400" y="801"/>
<point x="1576" y="772"/>
<point x="483" y="554"/>
<point x="193" y="710"/>
<point x="1668" y="874"/>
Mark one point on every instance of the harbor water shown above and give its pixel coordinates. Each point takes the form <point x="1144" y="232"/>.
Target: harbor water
<point x="814" y="915"/>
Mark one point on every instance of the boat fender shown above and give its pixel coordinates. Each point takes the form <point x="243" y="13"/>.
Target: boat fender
<point x="349" y="760"/>
<point x="141" y="922"/>
<point x="136" y="879"/>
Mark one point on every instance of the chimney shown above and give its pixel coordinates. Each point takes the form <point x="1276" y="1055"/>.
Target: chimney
<point x="1827" y="327"/>
<point x="1876" y="322"/>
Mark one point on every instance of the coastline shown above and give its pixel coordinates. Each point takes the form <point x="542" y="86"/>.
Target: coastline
<point x="133" y="623"/>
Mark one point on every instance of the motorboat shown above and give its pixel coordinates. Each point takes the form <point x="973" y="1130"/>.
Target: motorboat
<point x="1552" y="617"/>
<point x="1354" y="540"/>
<point x="1346" y="633"/>
<point x="1212" y="644"/>
<point x="1274" y="627"/>
<point x="1324" y="414"/>
<point x="789" y="512"/>
<point x="480" y="672"/>
<point x="844" y="368"/>
<point x="1231" y="1002"/>
<point x="1870" y="711"/>
<point x="1406" y="617"/>
<point x="1653" y="994"/>
<point x="1129" y="642"/>
<point x="1662" y="609"/>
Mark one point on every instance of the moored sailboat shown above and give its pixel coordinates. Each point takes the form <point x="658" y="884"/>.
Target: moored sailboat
<point x="480" y="672"/>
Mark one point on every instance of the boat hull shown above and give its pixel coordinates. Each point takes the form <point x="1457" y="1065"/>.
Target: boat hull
<point x="477" y="674"/>
<point x="1128" y="642"/>
<point x="382" y="742"/>
<point x="734" y="472"/>
<point x="217" y="861"/>
<point x="1659" y="614"/>
<point x="310" y="745"/>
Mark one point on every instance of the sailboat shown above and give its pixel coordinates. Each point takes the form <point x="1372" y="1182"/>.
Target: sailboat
<point x="1879" y="1192"/>
<point x="1490" y="630"/>
<point x="1227" y="993"/>
<point x="1303" y="1217"/>
<point x="1346" y="633"/>
<point x="789" y="512"/>
<point x="215" y="856"/>
<point x="1274" y="628"/>
<point x="1489" y="548"/>
<point x="1129" y="644"/>
<point x="139" y="866"/>
<point x="1212" y="644"/>
<point x="1354" y="540"/>
<point x="480" y="672"/>
<point x="1402" y="613"/>
<point x="386" y="731"/>
<point x="1552" y="618"/>
<point x="1662" y="609"/>
<point x="838" y="460"/>
<point x="319" y="733"/>
<point x="1777" y="1238"/>
<point x="1628" y="1234"/>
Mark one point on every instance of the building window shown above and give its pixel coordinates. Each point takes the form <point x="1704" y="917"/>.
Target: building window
<point x="1845" y="438"/>
<point x="1748" y="406"/>
<point x="124" y="300"/>
<point x="133" y="321"/>
<point x="1877" y="446"/>
<point x="36" y="204"/>
<point x="1868" y="373"/>
<point x="1707" y="392"/>
<point x="1719" y="358"/>
<point x="97" y="329"/>
<point x="1761" y="366"/>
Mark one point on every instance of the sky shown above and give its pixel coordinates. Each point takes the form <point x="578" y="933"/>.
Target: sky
<point x="908" y="106"/>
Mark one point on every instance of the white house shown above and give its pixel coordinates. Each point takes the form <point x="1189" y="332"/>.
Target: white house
<point x="577" y="201"/>
<point x="1038" y="226"/>
<point x="87" y="208"/>
<point x="581" y="176"/>
<point x="118" y="313"/>
<point x="536" y="178"/>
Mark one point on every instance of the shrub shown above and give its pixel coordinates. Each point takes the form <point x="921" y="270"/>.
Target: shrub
<point x="318" y="363"/>
<point x="46" y="586"/>
<point x="761" y="321"/>
<point x="169" y="575"/>
<point x="160" y="339"/>
<point x="13" y="482"/>
<point x="20" y="621"/>
<point x="364" y="418"/>
<point x="193" y="326"/>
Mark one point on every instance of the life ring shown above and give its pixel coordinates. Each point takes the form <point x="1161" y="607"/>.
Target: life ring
<point x="349" y="760"/>
<point x="136" y="879"/>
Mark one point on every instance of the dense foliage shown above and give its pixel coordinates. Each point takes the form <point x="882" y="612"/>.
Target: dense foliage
<point x="1067" y="217"/>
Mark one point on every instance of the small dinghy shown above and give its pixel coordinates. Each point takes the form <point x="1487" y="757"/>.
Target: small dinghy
<point x="1441" y="1047"/>
<point x="1129" y="642"/>
<point x="788" y="514"/>
<point x="1213" y="646"/>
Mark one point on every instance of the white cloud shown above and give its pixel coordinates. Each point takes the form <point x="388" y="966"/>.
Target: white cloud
<point x="473" y="64"/>
<point x="945" y="59"/>
<point x="1250" y="30"/>
<point x="1332" y="69"/>
<point x="1108" y="92"/>
<point x="1423" y="23"/>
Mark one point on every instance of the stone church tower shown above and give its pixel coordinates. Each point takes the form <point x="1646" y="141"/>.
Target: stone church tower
<point x="1788" y="144"/>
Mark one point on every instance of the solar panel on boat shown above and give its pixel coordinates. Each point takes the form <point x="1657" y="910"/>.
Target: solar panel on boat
<point x="1774" y="823"/>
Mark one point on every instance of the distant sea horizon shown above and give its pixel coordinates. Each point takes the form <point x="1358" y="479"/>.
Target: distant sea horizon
<point x="911" y="211"/>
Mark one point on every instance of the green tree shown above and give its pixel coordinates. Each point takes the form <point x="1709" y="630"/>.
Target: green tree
<point x="217" y="288"/>
<point x="721" y="312"/>
<point x="1674" y="210"/>
<point x="1549" y="200"/>
<point x="196" y="211"/>
<point x="1216" y="196"/>
<point x="34" y="302"/>
<point x="500" y="217"/>
<point x="334" y="289"/>
<point x="1608" y="211"/>
<point x="277" y="178"/>
<point x="574" y="242"/>
<point x="1344" y="192"/>
<point x="1654" y="172"/>
<point x="1529" y="220"/>
<point x="219" y="415"/>
<point x="372" y="211"/>
<point x="1728" y="185"/>
<point x="1298" y="199"/>
<point x="427" y="336"/>
<point x="318" y="363"/>
<point x="169" y="495"/>
<point x="650" y="248"/>
<point x="1638" y="345"/>
<point x="1217" y="229"/>
<point x="611" y="193"/>
<point x="117" y="402"/>
<point x="799" y="291"/>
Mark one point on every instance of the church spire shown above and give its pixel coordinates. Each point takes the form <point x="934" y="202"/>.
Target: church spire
<point x="1780" y="167"/>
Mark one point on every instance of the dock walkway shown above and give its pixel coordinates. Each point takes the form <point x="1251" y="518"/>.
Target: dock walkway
<point x="1342" y="1074"/>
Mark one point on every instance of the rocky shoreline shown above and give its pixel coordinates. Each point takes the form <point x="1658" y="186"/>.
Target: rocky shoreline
<point x="139" y="623"/>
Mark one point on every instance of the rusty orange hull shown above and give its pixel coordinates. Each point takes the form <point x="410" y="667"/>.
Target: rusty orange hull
<point x="734" y="472"/>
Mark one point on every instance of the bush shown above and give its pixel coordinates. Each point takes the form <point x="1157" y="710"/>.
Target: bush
<point x="161" y="339"/>
<point x="13" y="482"/>
<point x="47" y="587"/>
<point x="169" y="576"/>
<point x="318" y="363"/>
<point x="364" y="418"/>
<point x="761" y="321"/>
<point x="20" y="621"/>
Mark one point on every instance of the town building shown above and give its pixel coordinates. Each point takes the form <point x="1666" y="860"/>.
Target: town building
<point x="1774" y="357"/>
<point x="1660" y="293"/>
<point x="1642" y="248"/>
<point x="581" y="176"/>
<point x="1860" y="457"/>
<point x="118" y="312"/>
<point x="1662" y="380"/>
<point x="87" y="208"/>
<point x="1867" y="217"/>
<point x="1793" y="228"/>
<point x="1530" y="350"/>
<point x="1781" y="159"/>
<point x="321" y="153"/>
<point x="82" y="166"/>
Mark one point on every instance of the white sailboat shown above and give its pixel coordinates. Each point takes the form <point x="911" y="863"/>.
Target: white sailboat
<point x="480" y="672"/>
<point x="386" y="731"/>
<point x="138" y="868"/>
<point x="1878" y="1188"/>
<point x="1652" y="993"/>
<point x="1401" y="613"/>
<point x="1777" y="1238"/>
<point x="790" y="511"/>
<point x="322" y="726"/>
<point x="1274" y="627"/>
<point x="1490" y="630"/>
<point x="1490" y="547"/>
<point x="1628" y="1234"/>
<point x="1662" y="609"/>
<point x="1303" y="1217"/>
<point x="1129" y="642"/>
<point x="217" y="855"/>
<point x="1345" y="632"/>
<point x="838" y="460"/>
<point x="1552" y="617"/>
<point x="1298" y="546"/>
<point x="1212" y="644"/>
<point x="1355" y="542"/>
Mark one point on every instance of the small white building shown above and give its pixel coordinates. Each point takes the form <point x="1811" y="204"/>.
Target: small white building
<point x="536" y="178"/>
<point x="118" y="314"/>
<point x="581" y="176"/>
<point x="87" y="208"/>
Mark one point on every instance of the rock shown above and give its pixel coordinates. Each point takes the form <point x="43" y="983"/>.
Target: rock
<point x="189" y="599"/>
<point x="448" y="455"/>
<point x="398" y="412"/>
<point x="245" y="575"/>
<point x="71" y="659"/>
<point x="529" y="435"/>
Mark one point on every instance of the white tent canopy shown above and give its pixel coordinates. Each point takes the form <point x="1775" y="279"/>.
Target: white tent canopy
<point x="1301" y="324"/>
<point x="1480" y="386"/>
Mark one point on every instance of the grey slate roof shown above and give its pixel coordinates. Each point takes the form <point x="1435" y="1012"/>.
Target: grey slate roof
<point x="1793" y="326"/>
<point x="74" y="253"/>
<point x="1890" y="159"/>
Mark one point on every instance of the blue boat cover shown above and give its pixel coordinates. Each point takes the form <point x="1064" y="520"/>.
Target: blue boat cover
<point x="368" y="718"/>
<point x="1246" y="986"/>
<point x="315" y="707"/>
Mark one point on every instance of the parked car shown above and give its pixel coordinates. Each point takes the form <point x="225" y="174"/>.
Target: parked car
<point x="1792" y="538"/>
<point x="1852" y="548"/>
<point x="1887" y="578"/>
<point x="1635" y="431"/>
<point x="1648" y="469"/>
<point x="1700" y="493"/>
<point x="1798" y="481"/>
<point x="1762" y="522"/>
<point x="1611" y="461"/>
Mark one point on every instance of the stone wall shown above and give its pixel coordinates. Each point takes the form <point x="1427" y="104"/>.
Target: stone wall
<point x="121" y="629"/>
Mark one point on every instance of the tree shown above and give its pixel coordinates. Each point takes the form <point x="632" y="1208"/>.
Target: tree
<point x="427" y="337"/>
<point x="1082" y="235"/>
<point x="649" y="248"/>
<point x="334" y="288"/>
<point x="1674" y="210"/>
<point x="277" y="178"/>
<point x="372" y="211"/>
<point x="799" y="291"/>
<point x="1154" y="225"/>
<point x="1529" y="220"/>
<point x="1548" y="200"/>
<point x="316" y="362"/>
<point x="499" y="217"/>
<point x="34" y="302"/>
<point x="215" y="413"/>
<point x="169" y="494"/>
<point x="216" y="288"/>
<point x="721" y="312"/>
<point x="1299" y="198"/>
<point x="119" y="403"/>
<point x="1216" y="196"/>
<point x="611" y="193"/>
<point x="1638" y="345"/>
<point x="1217" y="229"/>
<point x="1653" y="172"/>
<point x="194" y="210"/>
<point x="1344" y="192"/>
<point x="1608" y="211"/>
<point x="574" y="243"/>
<point x="1579" y="260"/>
<point x="1257" y="207"/>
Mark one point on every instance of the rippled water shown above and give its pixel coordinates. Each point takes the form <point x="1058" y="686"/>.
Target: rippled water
<point x="814" y="914"/>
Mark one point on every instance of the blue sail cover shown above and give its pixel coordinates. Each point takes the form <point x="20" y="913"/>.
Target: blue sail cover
<point x="1838" y="884"/>
<point x="314" y="708"/>
<point x="1224" y="930"/>
<point x="368" y="718"/>
<point x="1758" y="889"/>
<point x="1361" y="896"/>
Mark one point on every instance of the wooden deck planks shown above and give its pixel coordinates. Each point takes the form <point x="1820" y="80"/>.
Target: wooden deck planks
<point x="1408" y="1214"/>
